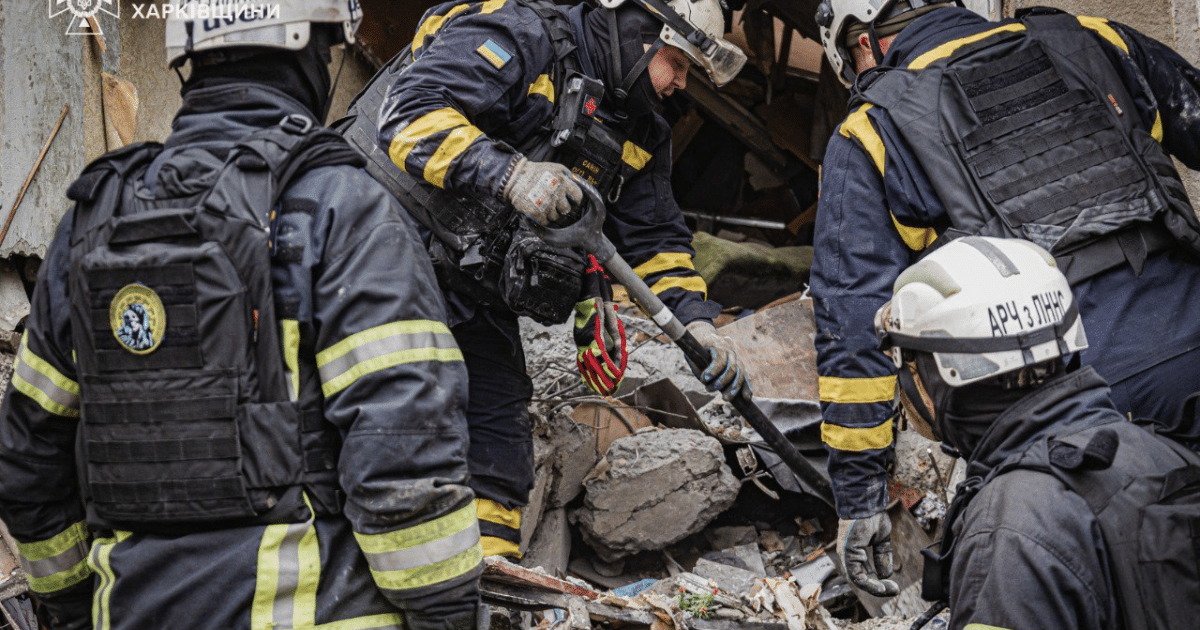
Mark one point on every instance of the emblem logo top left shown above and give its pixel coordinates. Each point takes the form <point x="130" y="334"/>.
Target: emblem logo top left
<point x="138" y="318"/>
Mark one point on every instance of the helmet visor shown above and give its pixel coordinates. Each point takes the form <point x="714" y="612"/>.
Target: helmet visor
<point x="722" y="64"/>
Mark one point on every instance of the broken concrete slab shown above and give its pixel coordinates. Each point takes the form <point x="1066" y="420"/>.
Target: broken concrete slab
<point x="573" y="457"/>
<point x="550" y="547"/>
<point x="728" y="578"/>
<point x="653" y="489"/>
<point x="748" y="274"/>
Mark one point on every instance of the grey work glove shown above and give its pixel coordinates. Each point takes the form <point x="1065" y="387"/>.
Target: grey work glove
<point x="724" y="373"/>
<point x="858" y="536"/>
<point x="543" y="191"/>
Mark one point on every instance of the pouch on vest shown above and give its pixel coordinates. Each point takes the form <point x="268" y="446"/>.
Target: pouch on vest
<point x="1033" y="135"/>
<point x="1148" y="509"/>
<point x="187" y="418"/>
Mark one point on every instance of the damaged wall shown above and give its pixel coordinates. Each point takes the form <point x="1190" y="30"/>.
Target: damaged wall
<point x="117" y="90"/>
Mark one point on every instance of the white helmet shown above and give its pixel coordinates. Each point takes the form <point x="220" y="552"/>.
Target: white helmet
<point x="982" y="307"/>
<point x="199" y="25"/>
<point x="834" y="17"/>
<point x="697" y="27"/>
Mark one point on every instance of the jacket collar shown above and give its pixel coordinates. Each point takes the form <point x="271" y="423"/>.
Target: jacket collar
<point x="1065" y="404"/>
<point x="209" y="123"/>
<point x="931" y="30"/>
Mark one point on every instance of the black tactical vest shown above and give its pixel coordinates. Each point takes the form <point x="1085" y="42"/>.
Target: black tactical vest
<point x="481" y="248"/>
<point x="1032" y="134"/>
<point x="1148" y="512"/>
<point x="187" y="417"/>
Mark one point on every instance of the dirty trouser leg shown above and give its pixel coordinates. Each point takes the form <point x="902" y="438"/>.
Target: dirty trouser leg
<point x="501" y="453"/>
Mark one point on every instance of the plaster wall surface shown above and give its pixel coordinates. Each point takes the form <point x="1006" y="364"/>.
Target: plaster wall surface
<point x="42" y="68"/>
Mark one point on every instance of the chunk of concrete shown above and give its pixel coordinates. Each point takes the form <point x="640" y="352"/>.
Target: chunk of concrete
<point x="654" y="489"/>
<point x="550" y="548"/>
<point x="730" y="579"/>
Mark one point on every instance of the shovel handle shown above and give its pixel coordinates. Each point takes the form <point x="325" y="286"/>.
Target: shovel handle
<point x="699" y="355"/>
<point x="586" y="232"/>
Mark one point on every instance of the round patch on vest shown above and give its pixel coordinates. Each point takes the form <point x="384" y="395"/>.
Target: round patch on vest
<point x="138" y="318"/>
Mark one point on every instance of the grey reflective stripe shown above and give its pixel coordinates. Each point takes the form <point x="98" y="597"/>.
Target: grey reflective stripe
<point x="284" y="608"/>
<point x="47" y="386"/>
<point x="385" y="346"/>
<point x="64" y="561"/>
<point x="426" y="554"/>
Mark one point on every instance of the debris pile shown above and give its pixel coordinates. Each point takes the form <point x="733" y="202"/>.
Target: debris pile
<point x="662" y="495"/>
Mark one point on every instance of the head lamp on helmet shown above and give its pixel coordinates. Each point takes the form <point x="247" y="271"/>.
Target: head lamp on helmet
<point x="195" y="26"/>
<point x="981" y="307"/>
<point x="696" y="27"/>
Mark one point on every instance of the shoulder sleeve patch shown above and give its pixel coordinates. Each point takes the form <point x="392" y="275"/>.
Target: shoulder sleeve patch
<point x="494" y="53"/>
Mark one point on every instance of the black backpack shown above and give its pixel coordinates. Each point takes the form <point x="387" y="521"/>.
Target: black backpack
<point x="189" y="416"/>
<point x="1148" y="509"/>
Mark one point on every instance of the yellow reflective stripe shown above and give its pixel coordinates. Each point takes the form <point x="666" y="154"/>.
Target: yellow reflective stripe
<point x="39" y="380"/>
<point x="663" y="262"/>
<point x="491" y="6"/>
<point x="856" y="390"/>
<point x="56" y="563"/>
<point x="493" y="546"/>
<point x="692" y="283"/>
<point x="386" y="621"/>
<point x="916" y="238"/>
<point x="1100" y="25"/>
<point x="432" y="25"/>
<point x="100" y="562"/>
<point x="457" y="521"/>
<point x="949" y="48"/>
<point x="544" y="86"/>
<point x="859" y="127"/>
<point x="291" y="355"/>
<point x="980" y="626"/>
<point x="426" y="554"/>
<point x="493" y="512"/>
<point x="436" y="121"/>
<point x="382" y="347"/>
<point x="65" y="540"/>
<point x="848" y="439"/>
<point x="635" y="156"/>
<point x="451" y="147"/>
<point x="289" y="570"/>
<point x="1157" y="131"/>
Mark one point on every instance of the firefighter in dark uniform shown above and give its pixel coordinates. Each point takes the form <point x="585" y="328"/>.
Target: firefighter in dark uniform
<point x="1071" y="516"/>
<point x="332" y="494"/>
<point x="1051" y="128"/>
<point x="472" y="115"/>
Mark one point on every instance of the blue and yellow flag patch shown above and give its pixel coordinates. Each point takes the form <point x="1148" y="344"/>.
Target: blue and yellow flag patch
<point x="494" y="53"/>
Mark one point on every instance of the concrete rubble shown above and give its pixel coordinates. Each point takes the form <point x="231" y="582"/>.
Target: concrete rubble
<point x="653" y="489"/>
<point x="663" y="496"/>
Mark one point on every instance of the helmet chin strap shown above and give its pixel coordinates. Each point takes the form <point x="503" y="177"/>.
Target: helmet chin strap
<point x="876" y="49"/>
<point x="621" y="92"/>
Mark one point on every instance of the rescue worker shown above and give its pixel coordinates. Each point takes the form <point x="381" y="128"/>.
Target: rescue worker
<point x="1071" y="516"/>
<point x="323" y="488"/>
<point x="506" y="104"/>
<point x="1048" y="127"/>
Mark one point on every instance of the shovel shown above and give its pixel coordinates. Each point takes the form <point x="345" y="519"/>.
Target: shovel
<point x="586" y="232"/>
